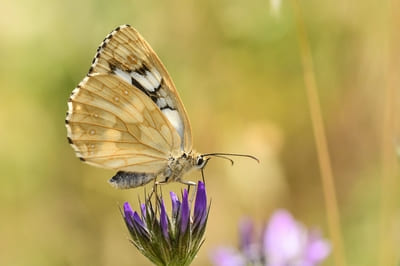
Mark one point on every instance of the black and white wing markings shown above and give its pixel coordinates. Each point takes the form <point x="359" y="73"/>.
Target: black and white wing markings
<point x="127" y="55"/>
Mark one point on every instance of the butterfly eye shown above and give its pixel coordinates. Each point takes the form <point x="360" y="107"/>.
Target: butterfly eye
<point x="200" y="161"/>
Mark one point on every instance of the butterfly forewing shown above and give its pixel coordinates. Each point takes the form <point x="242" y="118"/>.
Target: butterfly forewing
<point x="125" y="54"/>
<point x="115" y="125"/>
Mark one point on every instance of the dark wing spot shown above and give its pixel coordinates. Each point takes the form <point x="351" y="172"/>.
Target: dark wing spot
<point x="108" y="36"/>
<point x="69" y="140"/>
<point x="159" y="85"/>
<point x="154" y="98"/>
<point x="142" y="70"/>
<point x="112" y="66"/>
<point x="168" y="107"/>
<point x="139" y="86"/>
<point x="80" y="158"/>
<point x="95" y="57"/>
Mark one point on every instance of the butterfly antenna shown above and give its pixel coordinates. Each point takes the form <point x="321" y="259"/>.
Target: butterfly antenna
<point x="223" y="155"/>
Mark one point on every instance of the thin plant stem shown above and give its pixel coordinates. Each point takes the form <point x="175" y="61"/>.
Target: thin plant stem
<point x="320" y="139"/>
<point x="389" y="165"/>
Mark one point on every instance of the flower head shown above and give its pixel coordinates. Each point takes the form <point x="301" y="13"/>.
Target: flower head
<point x="169" y="240"/>
<point x="284" y="242"/>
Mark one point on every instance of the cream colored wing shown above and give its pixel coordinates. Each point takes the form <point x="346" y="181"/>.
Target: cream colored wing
<point x="126" y="54"/>
<point x="113" y="124"/>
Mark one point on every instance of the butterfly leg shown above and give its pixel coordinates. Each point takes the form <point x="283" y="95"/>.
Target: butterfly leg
<point x="161" y="182"/>
<point x="202" y="175"/>
<point x="189" y="183"/>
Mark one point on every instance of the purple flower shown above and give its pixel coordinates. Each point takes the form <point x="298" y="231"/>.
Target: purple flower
<point x="284" y="242"/>
<point x="165" y="240"/>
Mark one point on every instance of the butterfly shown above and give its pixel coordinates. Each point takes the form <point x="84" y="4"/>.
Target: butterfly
<point x="126" y="115"/>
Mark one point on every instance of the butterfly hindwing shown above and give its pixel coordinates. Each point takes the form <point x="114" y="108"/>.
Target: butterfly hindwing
<point x="125" y="54"/>
<point x="113" y="124"/>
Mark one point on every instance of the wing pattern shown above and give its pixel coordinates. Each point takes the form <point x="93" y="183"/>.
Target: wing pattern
<point x="126" y="113"/>
<point x="114" y="125"/>
<point x="127" y="55"/>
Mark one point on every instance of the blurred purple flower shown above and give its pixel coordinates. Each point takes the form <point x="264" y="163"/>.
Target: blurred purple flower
<point x="168" y="240"/>
<point x="284" y="242"/>
<point x="246" y="230"/>
<point x="228" y="257"/>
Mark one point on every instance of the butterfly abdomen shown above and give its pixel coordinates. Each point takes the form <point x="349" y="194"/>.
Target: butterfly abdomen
<point x="126" y="180"/>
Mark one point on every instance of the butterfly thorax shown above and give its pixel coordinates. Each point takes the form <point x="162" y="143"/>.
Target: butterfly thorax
<point x="180" y="165"/>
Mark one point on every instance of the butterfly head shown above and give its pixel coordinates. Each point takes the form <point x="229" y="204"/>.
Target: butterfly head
<point x="196" y="160"/>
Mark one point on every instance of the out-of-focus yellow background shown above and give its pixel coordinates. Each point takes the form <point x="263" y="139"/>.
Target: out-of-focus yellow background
<point x="237" y="67"/>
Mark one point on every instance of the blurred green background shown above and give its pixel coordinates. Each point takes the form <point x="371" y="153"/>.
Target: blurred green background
<point x="237" y="67"/>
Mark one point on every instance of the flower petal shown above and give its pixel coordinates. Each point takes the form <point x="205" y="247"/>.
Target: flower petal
<point x="248" y="245"/>
<point x="143" y="210"/>
<point x="128" y="214"/>
<point x="246" y="230"/>
<point x="317" y="248"/>
<point x="137" y="219"/>
<point x="176" y="204"/>
<point x="185" y="212"/>
<point x="284" y="239"/>
<point x="227" y="257"/>
<point x="200" y="206"/>
<point x="163" y="220"/>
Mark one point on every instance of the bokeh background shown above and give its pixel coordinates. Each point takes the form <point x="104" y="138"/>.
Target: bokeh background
<point x="237" y="67"/>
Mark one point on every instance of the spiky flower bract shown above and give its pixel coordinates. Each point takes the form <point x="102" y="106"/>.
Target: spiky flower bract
<point x="171" y="239"/>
